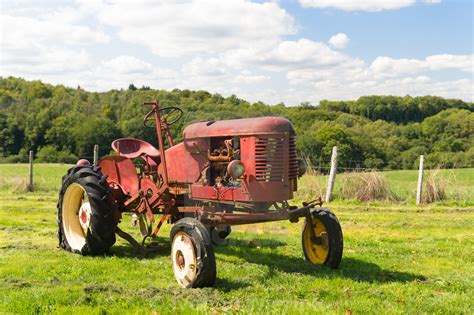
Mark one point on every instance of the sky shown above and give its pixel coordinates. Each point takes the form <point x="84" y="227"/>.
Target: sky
<point x="278" y="51"/>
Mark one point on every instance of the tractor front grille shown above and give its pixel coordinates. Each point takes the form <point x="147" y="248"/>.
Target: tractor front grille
<point x="275" y="161"/>
<point x="293" y="160"/>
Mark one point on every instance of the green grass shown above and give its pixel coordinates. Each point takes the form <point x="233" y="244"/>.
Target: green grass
<point x="397" y="259"/>
<point x="46" y="177"/>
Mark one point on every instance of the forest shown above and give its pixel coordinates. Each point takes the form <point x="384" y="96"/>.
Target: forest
<point x="61" y="124"/>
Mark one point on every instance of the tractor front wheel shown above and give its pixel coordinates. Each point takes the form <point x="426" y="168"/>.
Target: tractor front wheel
<point x="194" y="264"/>
<point x="326" y="249"/>
<point x="85" y="213"/>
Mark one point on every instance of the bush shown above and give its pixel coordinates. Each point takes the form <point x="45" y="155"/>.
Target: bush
<point x="21" y="157"/>
<point x="435" y="188"/>
<point x="49" y="154"/>
<point x="365" y="186"/>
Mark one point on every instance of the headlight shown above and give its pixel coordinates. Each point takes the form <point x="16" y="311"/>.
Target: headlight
<point x="302" y="167"/>
<point x="236" y="169"/>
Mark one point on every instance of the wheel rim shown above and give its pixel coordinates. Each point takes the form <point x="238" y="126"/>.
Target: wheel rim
<point x="76" y="216"/>
<point x="316" y="253"/>
<point x="184" y="259"/>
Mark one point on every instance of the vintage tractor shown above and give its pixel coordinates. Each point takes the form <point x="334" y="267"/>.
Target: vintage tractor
<point x="223" y="173"/>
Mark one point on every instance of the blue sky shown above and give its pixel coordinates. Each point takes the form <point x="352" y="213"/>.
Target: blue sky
<point x="412" y="32"/>
<point x="283" y="51"/>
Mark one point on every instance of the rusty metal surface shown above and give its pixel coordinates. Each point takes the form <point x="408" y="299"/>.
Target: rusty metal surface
<point x="223" y="218"/>
<point x="270" y="169"/>
<point x="120" y="171"/>
<point x="134" y="148"/>
<point x="246" y="126"/>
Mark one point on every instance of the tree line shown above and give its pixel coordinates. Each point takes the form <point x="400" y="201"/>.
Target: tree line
<point x="61" y="124"/>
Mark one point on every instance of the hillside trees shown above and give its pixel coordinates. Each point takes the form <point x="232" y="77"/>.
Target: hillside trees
<point x="371" y="132"/>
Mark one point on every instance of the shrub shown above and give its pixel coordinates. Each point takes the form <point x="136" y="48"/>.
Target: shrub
<point x="49" y="154"/>
<point x="435" y="188"/>
<point x="365" y="186"/>
<point x="21" y="157"/>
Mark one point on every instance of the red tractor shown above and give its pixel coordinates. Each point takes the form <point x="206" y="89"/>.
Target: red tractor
<point x="223" y="173"/>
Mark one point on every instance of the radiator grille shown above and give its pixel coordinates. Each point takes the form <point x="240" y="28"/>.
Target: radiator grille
<point x="293" y="160"/>
<point x="271" y="154"/>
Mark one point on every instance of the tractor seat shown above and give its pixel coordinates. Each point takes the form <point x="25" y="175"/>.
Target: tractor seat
<point x="133" y="148"/>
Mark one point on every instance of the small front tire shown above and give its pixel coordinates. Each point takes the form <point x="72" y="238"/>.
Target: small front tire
<point x="194" y="264"/>
<point x="328" y="248"/>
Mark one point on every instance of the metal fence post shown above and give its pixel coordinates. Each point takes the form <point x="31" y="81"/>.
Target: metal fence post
<point x="96" y="154"/>
<point x="332" y="174"/>
<point x="420" y="181"/>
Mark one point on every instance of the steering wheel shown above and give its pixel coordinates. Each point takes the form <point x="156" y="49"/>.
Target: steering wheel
<point x="169" y="114"/>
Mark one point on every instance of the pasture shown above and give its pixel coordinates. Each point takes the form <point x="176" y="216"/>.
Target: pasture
<point x="398" y="258"/>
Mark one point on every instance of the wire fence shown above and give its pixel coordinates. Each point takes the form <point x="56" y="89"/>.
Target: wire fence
<point x="316" y="164"/>
<point x="314" y="167"/>
<point x="323" y="166"/>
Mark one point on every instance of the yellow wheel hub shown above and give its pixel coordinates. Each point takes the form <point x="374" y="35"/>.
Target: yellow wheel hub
<point x="317" y="253"/>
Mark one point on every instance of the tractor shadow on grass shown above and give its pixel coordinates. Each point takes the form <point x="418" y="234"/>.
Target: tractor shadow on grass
<point x="350" y="268"/>
<point x="158" y="247"/>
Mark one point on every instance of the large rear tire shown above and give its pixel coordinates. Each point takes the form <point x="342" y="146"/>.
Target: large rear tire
<point x="85" y="212"/>
<point x="328" y="248"/>
<point x="194" y="264"/>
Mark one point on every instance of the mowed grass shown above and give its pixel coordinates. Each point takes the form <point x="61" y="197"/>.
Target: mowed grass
<point x="397" y="259"/>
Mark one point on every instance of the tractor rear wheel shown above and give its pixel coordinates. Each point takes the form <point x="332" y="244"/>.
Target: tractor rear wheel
<point x="85" y="212"/>
<point x="327" y="248"/>
<point x="194" y="264"/>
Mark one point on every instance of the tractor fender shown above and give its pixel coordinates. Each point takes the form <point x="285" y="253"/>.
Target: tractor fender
<point x="120" y="171"/>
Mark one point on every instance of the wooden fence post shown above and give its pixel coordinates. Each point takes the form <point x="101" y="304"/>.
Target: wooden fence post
<point x="420" y="181"/>
<point x="332" y="174"/>
<point x="96" y="154"/>
<point x="30" y="184"/>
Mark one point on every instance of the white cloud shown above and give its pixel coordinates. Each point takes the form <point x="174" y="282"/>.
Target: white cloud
<point x="334" y="89"/>
<point x="126" y="65"/>
<point x="286" y="55"/>
<point x="357" y="5"/>
<point x="211" y="67"/>
<point x="246" y="77"/>
<point x="389" y="67"/>
<point x="181" y="28"/>
<point x="28" y="32"/>
<point x="446" y="61"/>
<point x="340" y="40"/>
<point x="40" y="45"/>
<point x="232" y="47"/>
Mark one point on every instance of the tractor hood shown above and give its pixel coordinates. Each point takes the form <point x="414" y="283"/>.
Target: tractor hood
<point x="235" y="127"/>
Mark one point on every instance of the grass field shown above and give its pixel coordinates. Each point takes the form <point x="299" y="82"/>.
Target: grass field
<point x="398" y="258"/>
